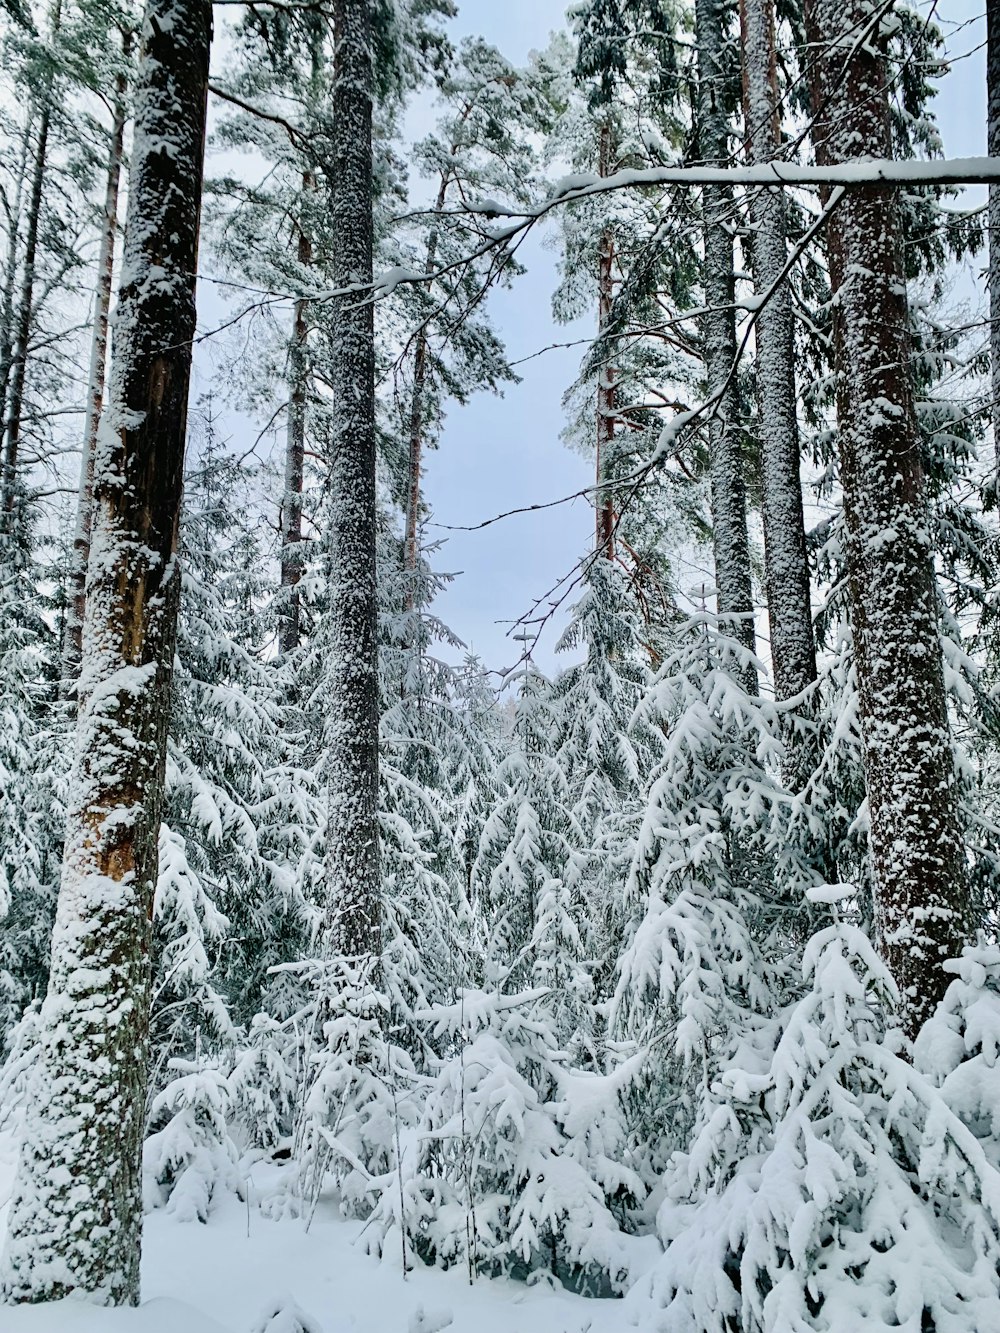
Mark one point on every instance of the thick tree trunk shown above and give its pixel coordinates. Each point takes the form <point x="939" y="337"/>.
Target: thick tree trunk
<point x="921" y="898"/>
<point x="729" y="519"/>
<point x="73" y="645"/>
<point x="993" y="148"/>
<point x="295" y="448"/>
<point x="76" y="1214"/>
<point x="22" y="319"/>
<point x="353" y="901"/>
<point x="793" y="650"/>
<point x="604" y="535"/>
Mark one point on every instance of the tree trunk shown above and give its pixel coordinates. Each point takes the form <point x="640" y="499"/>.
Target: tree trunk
<point x="353" y="893"/>
<point x="411" y="538"/>
<point x="76" y="1215"/>
<point x="73" y="645"/>
<point x="734" y="593"/>
<point x="993" y="148"/>
<point x="22" y="319"/>
<point x="793" y="650"/>
<point x="604" y="536"/>
<point x="921" y="893"/>
<point x="10" y="270"/>
<point x="295" y="447"/>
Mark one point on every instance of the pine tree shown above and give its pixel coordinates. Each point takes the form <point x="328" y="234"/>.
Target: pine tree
<point x="86" y="1118"/>
<point x="98" y="358"/>
<point x="993" y="148"/>
<point x="353" y="895"/>
<point x="921" y="893"/>
<point x="793" y="651"/>
<point x="729" y="521"/>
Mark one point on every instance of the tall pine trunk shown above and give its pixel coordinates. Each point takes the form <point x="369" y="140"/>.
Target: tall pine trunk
<point x="14" y="403"/>
<point x="993" y="148"/>
<point x="295" y="447"/>
<point x="728" y="487"/>
<point x="604" y="535"/>
<point x="920" y="882"/>
<point x="793" y="650"/>
<point x="76" y="1215"/>
<point x="73" y="646"/>
<point x="352" y="862"/>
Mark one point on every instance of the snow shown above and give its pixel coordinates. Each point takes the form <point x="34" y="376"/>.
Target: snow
<point x="157" y="1316"/>
<point x="238" y="1271"/>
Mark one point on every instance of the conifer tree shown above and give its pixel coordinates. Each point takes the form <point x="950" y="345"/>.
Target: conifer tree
<point x="793" y="651"/>
<point x="95" y="394"/>
<point x="729" y="519"/>
<point x="920" y="883"/>
<point x="353" y="911"/>
<point x="993" y="148"/>
<point x="87" y="1110"/>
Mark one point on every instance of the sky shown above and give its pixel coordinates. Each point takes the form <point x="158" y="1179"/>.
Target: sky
<point x="498" y="454"/>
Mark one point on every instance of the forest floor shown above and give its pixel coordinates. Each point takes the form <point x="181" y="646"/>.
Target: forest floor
<point x="230" y="1274"/>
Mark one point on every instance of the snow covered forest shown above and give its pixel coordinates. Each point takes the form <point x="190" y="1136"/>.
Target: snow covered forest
<point x="350" y="982"/>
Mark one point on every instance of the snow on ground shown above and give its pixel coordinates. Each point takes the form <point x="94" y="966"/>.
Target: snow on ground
<point x="229" y="1276"/>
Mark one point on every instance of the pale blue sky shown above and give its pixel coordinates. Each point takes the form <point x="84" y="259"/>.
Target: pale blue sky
<point x="503" y="453"/>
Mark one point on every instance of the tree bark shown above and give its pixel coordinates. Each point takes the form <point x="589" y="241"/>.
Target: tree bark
<point x="22" y="320"/>
<point x="922" y="914"/>
<point x="604" y="536"/>
<point x="793" y="650"/>
<point x="76" y="1214"/>
<point x="295" y="447"/>
<point x="411" y="538"/>
<point x="352" y="865"/>
<point x="10" y="269"/>
<point x="993" y="148"/>
<point x="73" y="646"/>
<point x="734" y="591"/>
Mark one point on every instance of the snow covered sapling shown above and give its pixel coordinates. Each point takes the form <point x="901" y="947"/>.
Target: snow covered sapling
<point x="189" y="1155"/>
<point x="829" y="1184"/>
<point x="262" y="1087"/>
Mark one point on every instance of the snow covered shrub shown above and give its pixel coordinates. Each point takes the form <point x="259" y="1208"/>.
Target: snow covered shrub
<point x="262" y="1087"/>
<point x="187" y="924"/>
<point x="527" y="841"/>
<point x="707" y="944"/>
<point x="189" y="1155"/>
<point x="959" y="1047"/>
<point x="285" y="1316"/>
<point x="16" y="1076"/>
<point x="829" y="1185"/>
<point x="33" y="774"/>
<point x="516" y="1163"/>
<point x="358" y="1093"/>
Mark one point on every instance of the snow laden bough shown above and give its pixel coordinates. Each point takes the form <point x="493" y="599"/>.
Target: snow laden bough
<point x="518" y="1165"/>
<point x="832" y="1185"/>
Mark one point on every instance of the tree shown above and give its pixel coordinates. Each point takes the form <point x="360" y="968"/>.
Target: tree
<point x="729" y="519"/>
<point x="13" y="399"/>
<point x="353" y="907"/>
<point x="793" y="652"/>
<point x="993" y="148"/>
<point x="95" y="395"/>
<point x="921" y="892"/>
<point x="75" y="1221"/>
